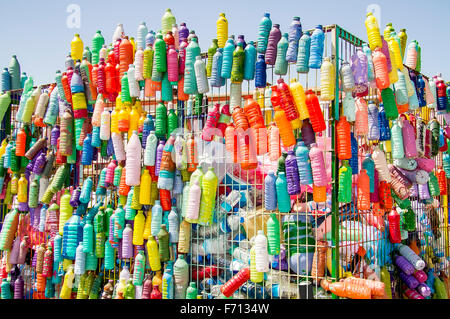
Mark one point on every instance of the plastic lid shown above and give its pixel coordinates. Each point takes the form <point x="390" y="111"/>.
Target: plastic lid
<point x="222" y="14"/>
<point x="296" y="18"/>
<point x="267" y="15"/>
<point x="319" y="26"/>
<point x="276" y="25"/>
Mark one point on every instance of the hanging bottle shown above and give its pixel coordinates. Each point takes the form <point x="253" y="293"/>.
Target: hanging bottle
<point x="316" y="48"/>
<point x="281" y="64"/>
<point x="272" y="42"/>
<point x="264" y="29"/>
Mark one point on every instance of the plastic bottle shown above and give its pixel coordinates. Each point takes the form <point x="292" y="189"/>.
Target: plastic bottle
<point x="167" y="21"/>
<point x="216" y="69"/>
<point x="200" y="75"/>
<point x="374" y="129"/>
<point x="235" y="282"/>
<point x="222" y="30"/>
<point x="180" y="277"/>
<point x="409" y="143"/>
<point x="381" y="70"/>
<point x="327" y="80"/>
<point x="315" y="112"/>
<point x="249" y="62"/>
<point x="397" y="141"/>
<point x="261" y="254"/>
<point x="283" y="198"/>
<point x="363" y="190"/>
<point x="361" y="117"/>
<point x="345" y="183"/>
<point x="281" y="64"/>
<point x="411" y="56"/>
<point x="264" y="29"/>
<point x="318" y="166"/>
<point x="76" y="48"/>
<point x="394" y="227"/>
<point x="227" y="60"/>
<point x="270" y="195"/>
<point x="125" y="55"/>
<point x="285" y="128"/>
<point x="344" y="149"/>
<point x="373" y="31"/>
<point x="316" y="48"/>
<point x="272" y="42"/>
<point x="292" y="174"/>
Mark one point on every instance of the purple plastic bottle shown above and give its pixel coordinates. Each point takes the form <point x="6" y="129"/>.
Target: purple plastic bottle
<point x="18" y="288"/>
<point x="183" y="32"/>
<point x="292" y="176"/>
<point x="241" y="39"/>
<point x="274" y="38"/>
<point x="409" y="140"/>
<point x="385" y="51"/>
<point x="409" y="280"/>
<point x="54" y="135"/>
<point x="159" y="152"/>
<point x="308" y="135"/>
<point x="75" y="197"/>
<point x="360" y="73"/>
<point x="424" y="191"/>
<point x="424" y="290"/>
<point x="402" y="263"/>
<point x="374" y="197"/>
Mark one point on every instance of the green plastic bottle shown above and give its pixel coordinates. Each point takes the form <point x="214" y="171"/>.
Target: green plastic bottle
<point x="281" y="64"/>
<point x="129" y="291"/>
<point x="88" y="237"/>
<point x="433" y="185"/>
<point x="191" y="291"/>
<point x="211" y="51"/>
<point x="80" y="287"/>
<point x="237" y="68"/>
<point x="345" y="183"/>
<point x="163" y="238"/>
<point x="87" y="54"/>
<point x="100" y="239"/>
<point x="385" y="277"/>
<point x="160" y="54"/>
<point x="409" y="220"/>
<point x="439" y="286"/>
<point x="97" y="43"/>
<point x="273" y="235"/>
<point x="282" y="163"/>
<point x="172" y="121"/>
<point x="166" y="89"/>
<point x="125" y="93"/>
<point x="96" y="286"/>
<point x="161" y="121"/>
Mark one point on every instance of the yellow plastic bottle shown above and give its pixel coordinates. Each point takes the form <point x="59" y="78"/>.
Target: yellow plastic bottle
<point x="145" y="189"/>
<point x="66" y="290"/>
<point x="65" y="211"/>
<point x="298" y="93"/>
<point x="373" y="32"/>
<point x="153" y="254"/>
<point x="393" y="45"/>
<point x="387" y="31"/>
<point x="255" y="276"/>
<point x="22" y="189"/>
<point x="14" y="185"/>
<point x="148" y="225"/>
<point x="3" y="147"/>
<point x="76" y="48"/>
<point x="184" y="238"/>
<point x="154" y="192"/>
<point x="403" y="40"/>
<point x="138" y="230"/>
<point x="327" y="80"/>
<point x="133" y="43"/>
<point x="157" y="280"/>
<point x="134" y="121"/>
<point x="393" y="75"/>
<point x="115" y="120"/>
<point x="138" y="106"/>
<point x="222" y="30"/>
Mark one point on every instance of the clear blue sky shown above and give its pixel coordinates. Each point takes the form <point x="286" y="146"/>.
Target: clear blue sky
<point x="36" y="31"/>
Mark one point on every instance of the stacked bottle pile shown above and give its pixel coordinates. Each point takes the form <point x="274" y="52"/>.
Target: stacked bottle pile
<point x="134" y="218"/>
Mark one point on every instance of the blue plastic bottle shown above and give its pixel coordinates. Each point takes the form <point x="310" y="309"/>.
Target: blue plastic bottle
<point x="87" y="155"/>
<point x="264" y="29"/>
<point x="167" y="284"/>
<point x="57" y="248"/>
<point x="374" y="130"/>
<point x="73" y="235"/>
<point x="295" y="32"/>
<point x="249" y="61"/>
<point x="354" y="159"/>
<point x="86" y="190"/>
<point x="96" y="141"/>
<point x="227" y="61"/>
<point x="270" y="191"/>
<point x="260" y="72"/>
<point x="383" y="124"/>
<point x="304" y="47"/>
<point x="303" y="163"/>
<point x="317" y="44"/>
<point x="216" y="79"/>
<point x="283" y="198"/>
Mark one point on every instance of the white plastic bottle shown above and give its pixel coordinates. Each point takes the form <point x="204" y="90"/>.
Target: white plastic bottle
<point x="193" y="205"/>
<point x="105" y="125"/>
<point x="200" y="75"/>
<point x="139" y="65"/>
<point x="381" y="165"/>
<point x="262" y="255"/>
<point x="150" y="149"/>
<point x="133" y="163"/>
<point x="119" y="150"/>
<point x="80" y="260"/>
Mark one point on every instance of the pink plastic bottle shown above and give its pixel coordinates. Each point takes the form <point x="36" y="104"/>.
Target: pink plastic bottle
<point x="274" y="143"/>
<point x="409" y="139"/>
<point x="211" y="123"/>
<point x="172" y="64"/>
<point x="361" y="117"/>
<point x="394" y="227"/>
<point x="318" y="166"/>
<point x="224" y="119"/>
<point x="109" y="178"/>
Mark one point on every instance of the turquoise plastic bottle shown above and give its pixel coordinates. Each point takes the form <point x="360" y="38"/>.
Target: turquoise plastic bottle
<point x="190" y="81"/>
<point x="227" y="62"/>
<point x="317" y="44"/>
<point x="14" y="71"/>
<point x="250" y="61"/>
<point x="303" y="54"/>
<point x="167" y="284"/>
<point x="263" y="35"/>
<point x="284" y="200"/>
<point x="369" y="165"/>
<point x="303" y="163"/>
<point x="88" y="237"/>
<point x="109" y="256"/>
<point x="281" y="64"/>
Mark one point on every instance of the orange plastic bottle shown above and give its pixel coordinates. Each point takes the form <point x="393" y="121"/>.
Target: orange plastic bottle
<point x="247" y="150"/>
<point x="315" y="112"/>
<point x="125" y="55"/>
<point x="361" y="126"/>
<point x="181" y="95"/>
<point x="363" y="202"/>
<point x="319" y="259"/>
<point x="284" y="127"/>
<point x="350" y="290"/>
<point x="231" y="141"/>
<point x="256" y="121"/>
<point x="274" y="142"/>
<point x="319" y="194"/>
<point x="66" y="87"/>
<point x="381" y="69"/>
<point x="239" y="119"/>
<point x="21" y="142"/>
<point x="124" y="120"/>
<point x="344" y="145"/>
<point x="376" y="287"/>
<point x="95" y="75"/>
<point x="192" y="154"/>
<point x="40" y="283"/>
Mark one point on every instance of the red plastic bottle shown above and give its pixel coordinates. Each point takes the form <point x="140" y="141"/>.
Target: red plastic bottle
<point x="192" y="154"/>
<point x="386" y="201"/>
<point x="442" y="181"/>
<point x="66" y="87"/>
<point x="287" y="104"/>
<point x="231" y="141"/>
<point x="315" y="112"/>
<point x="344" y="145"/>
<point x="205" y="272"/>
<point x="363" y="202"/>
<point x="164" y="197"/>
<point x="239" y="119"/>
<point x="235" y="282"/>
<point x="111" y="81"/>
<point x="256" y="121"/>
<point x="169" y="39"/>
<point x="394" y="227"/>
<point x="125" y="55"/>
<point x="275" y="98"/>
<point x="101" y="77"/>
<point x="60" y="159"/>
<point x="156" y="294"/>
